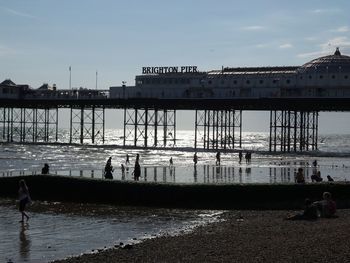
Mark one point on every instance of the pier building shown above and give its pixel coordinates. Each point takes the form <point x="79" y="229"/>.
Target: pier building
<point x="294" y="96"/>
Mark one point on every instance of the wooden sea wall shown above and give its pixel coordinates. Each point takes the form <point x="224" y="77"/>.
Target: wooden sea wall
<point x="206" y="196"/>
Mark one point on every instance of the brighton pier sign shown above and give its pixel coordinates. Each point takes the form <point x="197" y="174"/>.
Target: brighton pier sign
<point x="164" y="70"/>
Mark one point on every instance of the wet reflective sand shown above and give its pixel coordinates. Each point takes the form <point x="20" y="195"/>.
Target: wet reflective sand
<point x="56" y="231"/>
<point x="273" y="172"/>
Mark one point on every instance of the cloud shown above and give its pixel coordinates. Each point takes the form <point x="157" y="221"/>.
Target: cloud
<point x="17" y="13"/>
<point x="262" y="45"/>
<point x="342" y="29"/>
<point x="329" y="47"/>
<point x="286" y="45"/>
<point x="326" y="11"/>
<point x="253" y="28"/>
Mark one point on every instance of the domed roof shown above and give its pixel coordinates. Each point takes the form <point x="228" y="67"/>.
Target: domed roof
<point x="328" y="64"/>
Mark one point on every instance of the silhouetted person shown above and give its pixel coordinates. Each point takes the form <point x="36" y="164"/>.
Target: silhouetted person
<point x="137" y="170"/>
<point x="330" y="179"/>
<point x="316" y="177"/>
<point x="299" y="176"/>
<point x="327" y="206"/>
<point x="195" y="158"/>
<point x="45" y="169"/>
<point x="310" y="212"/>
<point x="218" y="158"/>
<point x="171" y="161"/>
<point x="314" y="163"/>
<point x="24" y="199"/>
<point x="109" y="169"/>
<point x="123" y="171"/>
<point x="240" y="156"/>
<point x="127" y="159"/>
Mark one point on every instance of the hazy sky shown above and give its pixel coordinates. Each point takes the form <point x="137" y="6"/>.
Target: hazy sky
<point x="40" y="39"/>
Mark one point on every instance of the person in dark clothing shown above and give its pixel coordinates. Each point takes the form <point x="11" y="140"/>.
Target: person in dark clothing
<point x="240" y="156"/>
<point x="137" y="170"/>
<point x="310" y="212"/>
<point x="330" y="179"/>
<point x="195" y="159"/>
<point x="45" y="169"/>
<point x="218" y="158"/>
<point x="109" y="169"/>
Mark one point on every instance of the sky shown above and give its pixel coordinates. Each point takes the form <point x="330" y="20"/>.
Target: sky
<point x="41" y="39"/>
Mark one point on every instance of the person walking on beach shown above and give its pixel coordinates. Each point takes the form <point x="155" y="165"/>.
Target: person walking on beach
<point x="45" y="169"/>
<point x="171" y="162"/>
<point x="137" y="169"/>
<point x="218" y="158"/>
<point x="24" y="199"/>
<point x="123" y="171"/>
<point x="109" y="169"/>
<point x="240" y="156"/>
<point x="127" y="161"/>
<point x="195" y="158"/>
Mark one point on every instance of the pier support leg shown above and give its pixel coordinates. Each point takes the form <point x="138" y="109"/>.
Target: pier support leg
<point x="142" y="128"/>
<point x="218" y="129"/>
<point x="293" y="131"/>
<point x="87" y="124"/>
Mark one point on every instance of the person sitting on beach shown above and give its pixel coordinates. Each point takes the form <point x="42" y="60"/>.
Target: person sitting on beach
<point x="299" y="176"/>
<point x="316" y="177"/>
<point x="330" y="179"/>
<point x="109" y="169"/>
<point x="310" y="212"/>
<point x="45" y="169"/>
<point x="327" y="207"/>
<point x="24" y="199"/>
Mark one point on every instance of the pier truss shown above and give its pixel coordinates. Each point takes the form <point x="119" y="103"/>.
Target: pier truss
<point x="293" y="131"/>
<point x="149" y="127"/>
<point x="87" y="125"/>
<point x="218" y="129"/>
<point x="29" y="124"/>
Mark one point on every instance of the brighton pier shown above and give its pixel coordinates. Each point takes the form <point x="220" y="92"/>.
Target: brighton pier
<point x="293" y="95"/>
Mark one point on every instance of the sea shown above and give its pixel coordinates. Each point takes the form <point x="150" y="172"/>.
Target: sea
<point x="50" y="236"/>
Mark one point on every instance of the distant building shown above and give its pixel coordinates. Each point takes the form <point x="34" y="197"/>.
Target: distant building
<point x="10" y="90"/>
<point x="327" y="76"/>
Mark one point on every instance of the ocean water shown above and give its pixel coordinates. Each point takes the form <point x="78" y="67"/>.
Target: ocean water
<point x="88" y="160"/>
<point x="51" y="236"/>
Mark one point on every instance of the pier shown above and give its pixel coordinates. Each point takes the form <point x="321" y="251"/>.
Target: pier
<point x="294" y="97"/>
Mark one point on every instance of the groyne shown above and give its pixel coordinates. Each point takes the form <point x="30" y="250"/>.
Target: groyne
<point x="193" y="196"/>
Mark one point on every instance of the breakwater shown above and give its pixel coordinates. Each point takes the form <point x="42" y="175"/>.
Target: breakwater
<point x="203" y="196"/>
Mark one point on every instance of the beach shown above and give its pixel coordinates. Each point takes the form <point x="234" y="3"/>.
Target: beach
<point x="243" y="236"/>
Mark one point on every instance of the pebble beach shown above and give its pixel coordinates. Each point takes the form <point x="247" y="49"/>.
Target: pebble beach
<point x="242" y="236"/>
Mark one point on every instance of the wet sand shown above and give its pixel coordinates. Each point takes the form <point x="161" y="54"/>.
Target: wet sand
<point x="243" y="236"/>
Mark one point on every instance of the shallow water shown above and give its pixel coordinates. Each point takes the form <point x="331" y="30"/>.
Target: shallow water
<point x="48" y="236"/>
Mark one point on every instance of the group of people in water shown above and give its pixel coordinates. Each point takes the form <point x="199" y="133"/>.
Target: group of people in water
<point x="299" y="176"/>
<point x="108" y="171"/>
